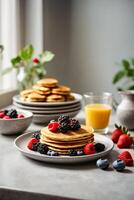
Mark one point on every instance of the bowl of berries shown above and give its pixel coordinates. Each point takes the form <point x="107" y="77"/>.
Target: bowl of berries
<point x="14" y="121"/>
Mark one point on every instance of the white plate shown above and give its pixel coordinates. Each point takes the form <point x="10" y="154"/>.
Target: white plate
<point x="31" y="108"/>
<point x="78" y="98"/>
<point x="43" y="118"/>
<point x="53" y="111"/>
<point x="21" y="145"/>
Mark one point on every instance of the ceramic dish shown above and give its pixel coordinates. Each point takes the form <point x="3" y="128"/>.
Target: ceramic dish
<point x="21" y="145"/>
<point x="53" y="108"/>
<point x="44" y="118"/>
<point x="16" y="125"/>
<point x="78" y="98"/>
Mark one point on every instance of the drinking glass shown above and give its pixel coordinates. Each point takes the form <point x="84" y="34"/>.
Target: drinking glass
<point x="98" y="108"/>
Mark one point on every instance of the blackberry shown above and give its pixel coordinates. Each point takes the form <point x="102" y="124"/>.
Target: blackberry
<point x="63" y="118"/>
<point x="42" y="148"/>
<point x="5" y="112"/>
<point x="64" y="127"/>
<point x="99" y="147"/>
<point x="36" y="135"/>
<point x="72" y="152"/>
<point x="74" y="124"/>
<point x="52" y="153"/>
<point x="35" y="146"/>
<point x="12" y="113"/>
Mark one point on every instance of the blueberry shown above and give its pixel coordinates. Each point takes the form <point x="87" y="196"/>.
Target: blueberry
<point x="119" y="165"/>
<point x="72" y="152"/>
<point x="99" y="147"/>
<point x="80" y="153"/>
<point x="102" y="163"/>
<point x="52" y="153"/>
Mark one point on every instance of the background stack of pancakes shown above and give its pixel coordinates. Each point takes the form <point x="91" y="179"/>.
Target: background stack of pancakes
<point x="47" y="90"/>
<point x="63" y="142"/>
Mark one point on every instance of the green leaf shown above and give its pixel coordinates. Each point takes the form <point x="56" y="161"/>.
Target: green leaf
<point x="130" y="87"/>
<point x="126" y="64"/>
<point x="7" y="70"/>
<point x="27" y="52"/>
<point x="46" y="56"/>
<point x="132" y="61"/>
<point x="118" y="76"/>
<point x="15" y="61"/>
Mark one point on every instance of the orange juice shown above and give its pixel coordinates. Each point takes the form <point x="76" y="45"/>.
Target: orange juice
<point x="97" y="115"/>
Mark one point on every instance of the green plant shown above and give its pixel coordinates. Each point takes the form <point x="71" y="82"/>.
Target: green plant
<point x="125" y="75"/>
<point x="29" y="68"/>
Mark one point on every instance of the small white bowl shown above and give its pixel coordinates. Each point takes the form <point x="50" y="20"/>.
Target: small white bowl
<point x="16" y="125"/>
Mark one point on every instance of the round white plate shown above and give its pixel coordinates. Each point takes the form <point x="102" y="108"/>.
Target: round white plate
<point x="53" y="111"/>
<point x="78" y="98"/>
<point x="43" y="118"/>
<point x="21" y="145"/>
<point x="53" y="108"/>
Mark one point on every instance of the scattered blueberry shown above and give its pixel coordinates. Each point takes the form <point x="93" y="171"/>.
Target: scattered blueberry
<point x="80" y="153"/>
<point x="119" y="165"/>
<point x="52" y="153"/>
<point x="99" y="147"/>
<point x="72" y="152"/>
<point x="102" y="163"/>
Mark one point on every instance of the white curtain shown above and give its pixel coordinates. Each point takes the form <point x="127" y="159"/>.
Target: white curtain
<point x="21" y="23"/>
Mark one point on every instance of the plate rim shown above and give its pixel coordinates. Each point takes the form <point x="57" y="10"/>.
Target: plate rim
<point x="65" y="159"/>
<point x="77" y="95"/>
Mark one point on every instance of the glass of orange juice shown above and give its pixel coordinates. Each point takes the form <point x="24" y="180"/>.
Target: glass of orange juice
<point x="98" y="109"/>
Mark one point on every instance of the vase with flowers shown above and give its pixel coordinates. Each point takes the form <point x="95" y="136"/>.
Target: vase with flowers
<point x="29" y="68"/>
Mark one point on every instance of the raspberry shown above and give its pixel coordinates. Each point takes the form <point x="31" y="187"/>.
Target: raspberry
<point x="42" y="148"/>
<point x="6" y="117"/>
<point x="74" y="124"/>
<point x="53" y="126"/>
<point x="89" y="149"/>
<point x="64" y="127"/>
<point x="31" y="142"/>
<point x="20" y="116"/>
<point x="63" y="118"/>
<point x="2" y="114"/>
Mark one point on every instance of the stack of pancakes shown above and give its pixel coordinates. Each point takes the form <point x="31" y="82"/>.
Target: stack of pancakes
<point x="64" y="142"/>
<point x="47" y="90"/>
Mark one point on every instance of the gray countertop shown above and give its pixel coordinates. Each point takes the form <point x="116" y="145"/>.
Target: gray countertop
<point x="81" y="181"/>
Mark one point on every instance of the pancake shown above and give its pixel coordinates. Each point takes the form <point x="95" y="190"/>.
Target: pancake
<point x="55" y="98"/>
<point x="69" y="136"/>
<point x="62" y="90"/>
<point x="35" y="97"/>
<point x="48" y="82"/>
<point x="41" y="90"/>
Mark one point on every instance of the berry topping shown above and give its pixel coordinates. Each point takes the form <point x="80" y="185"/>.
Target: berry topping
<point x="119" y="165"/>
<point x="64" y="127"/>
<point x="99" y="147"/>
<point x="102" y="163"/>
<point x="35" y="146"/>
<point x="126" y="156"/>
<point x="6" y="117"/>
<point x="31" y="142"/>
<point x="125" y="141"/>
<point x="72" y="152"/>
<point x="53" y="126"/>
<point x="52" y="153"/>
<point x="20" y="116"/>
<point x="2" y="114"/>
<point x="89" y="149"/>
<point x="12" y="113"/>
<point x="42" y="148"/>
<point x="63" y="118"/>
<point x="74" y="124"/>
<point x="36" y="135"/>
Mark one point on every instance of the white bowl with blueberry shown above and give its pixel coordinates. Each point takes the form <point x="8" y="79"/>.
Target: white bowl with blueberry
<point x="14" y="121"/>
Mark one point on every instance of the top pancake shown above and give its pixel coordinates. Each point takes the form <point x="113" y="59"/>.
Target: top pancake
<point x="69" y="136"/>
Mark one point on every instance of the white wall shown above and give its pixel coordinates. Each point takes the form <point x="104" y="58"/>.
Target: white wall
<point x="88" y="37"/>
